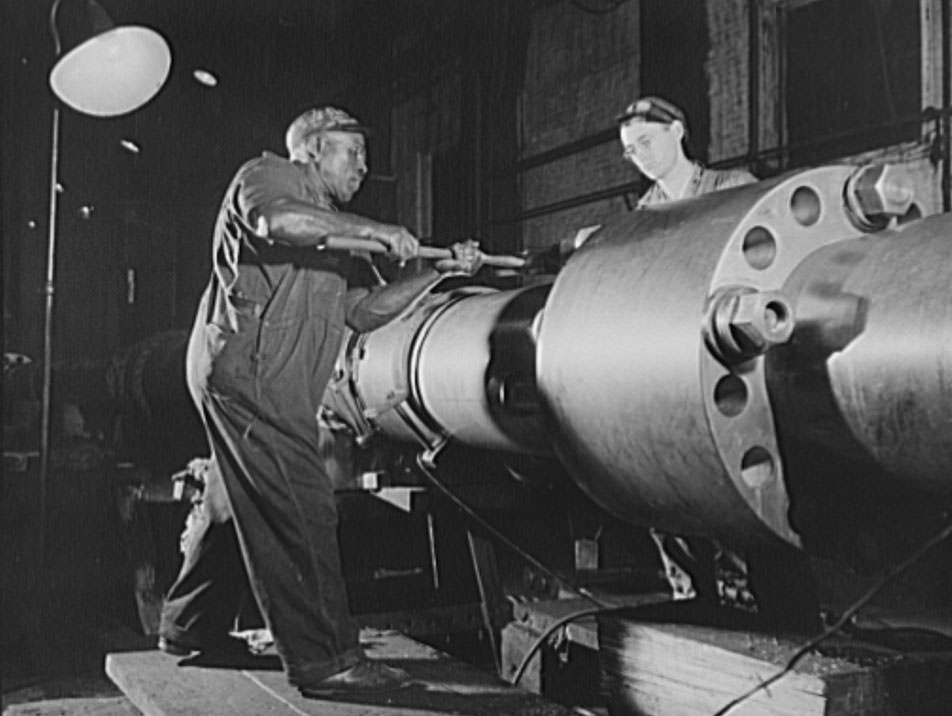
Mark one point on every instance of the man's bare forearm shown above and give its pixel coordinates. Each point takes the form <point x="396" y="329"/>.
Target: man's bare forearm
<point x="370" y="309"/>
<point x="297" y="223"/>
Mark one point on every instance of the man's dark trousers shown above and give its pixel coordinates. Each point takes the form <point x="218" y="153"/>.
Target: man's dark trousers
<point x="259" y="389"/>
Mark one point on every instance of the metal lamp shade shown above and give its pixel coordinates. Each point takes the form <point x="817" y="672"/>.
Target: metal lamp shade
<point x="114" y="72"/>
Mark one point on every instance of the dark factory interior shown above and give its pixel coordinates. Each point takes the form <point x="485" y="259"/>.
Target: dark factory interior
<point x="657" y="419"/>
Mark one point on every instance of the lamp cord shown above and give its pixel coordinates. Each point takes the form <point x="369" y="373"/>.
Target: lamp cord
<point x="54" y="31"/>
<point x="49" y="289"/>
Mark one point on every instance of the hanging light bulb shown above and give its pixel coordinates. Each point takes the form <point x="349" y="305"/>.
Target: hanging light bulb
<point x="205" y="77"/>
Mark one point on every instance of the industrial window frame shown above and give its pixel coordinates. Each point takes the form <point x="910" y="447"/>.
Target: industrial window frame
<point x="770" y="84"/>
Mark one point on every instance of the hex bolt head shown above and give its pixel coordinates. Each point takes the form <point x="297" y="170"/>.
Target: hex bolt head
<point x="881" y="191"/>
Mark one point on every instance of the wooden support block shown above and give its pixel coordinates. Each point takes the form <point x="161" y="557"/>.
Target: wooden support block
<point x="539" y="616"/>
<point x="567" y="673"/>
<point x="161" y="685"/>
<point x="652" y="667"/>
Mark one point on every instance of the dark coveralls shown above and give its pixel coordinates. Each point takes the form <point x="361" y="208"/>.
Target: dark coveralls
<point x="266" y="336"/>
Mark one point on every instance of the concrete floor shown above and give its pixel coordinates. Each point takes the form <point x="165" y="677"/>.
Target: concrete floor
<point x="78" y="696"/>
<point x="60" y="670"/>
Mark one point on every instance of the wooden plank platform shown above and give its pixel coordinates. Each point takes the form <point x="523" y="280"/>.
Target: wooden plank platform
<point x="163" y="685"/>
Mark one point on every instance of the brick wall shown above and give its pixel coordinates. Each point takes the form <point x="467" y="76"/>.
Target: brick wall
<point x="581" y="173"/>
<point x="727" y="78"/>
<point x="582" y="69"/>
<point x="423" y="124"/>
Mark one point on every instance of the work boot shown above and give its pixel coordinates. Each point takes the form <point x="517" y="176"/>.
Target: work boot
<point x="365" y="676"/>
<point x="173" y="648"/>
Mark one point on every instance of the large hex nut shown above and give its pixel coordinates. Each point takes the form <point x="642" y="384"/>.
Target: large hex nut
<point x="744" y="323"/>
<point x="761" y="320"/>
<point x="882" y="191"/>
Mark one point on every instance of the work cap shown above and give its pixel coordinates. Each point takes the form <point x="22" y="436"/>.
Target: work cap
<point x="652" y="109"/>
<point x="321" y="119"/>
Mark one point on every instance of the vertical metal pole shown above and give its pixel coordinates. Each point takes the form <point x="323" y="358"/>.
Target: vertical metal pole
<point x="49" y="290"/>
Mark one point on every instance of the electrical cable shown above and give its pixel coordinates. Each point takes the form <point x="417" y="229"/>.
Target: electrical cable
<point x="603" y="608"/>
<point x="551" y="629"/>
<point x="844" y="618"/>
<point x="476" y="517"/>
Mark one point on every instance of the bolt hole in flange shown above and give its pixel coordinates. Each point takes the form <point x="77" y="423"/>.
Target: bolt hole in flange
<point x="730" y="396"/>
<point x="776" y="316"/>
<point x="759" y="247"/>
<point x="757" y="467"/>
<point x="805" y="205"/>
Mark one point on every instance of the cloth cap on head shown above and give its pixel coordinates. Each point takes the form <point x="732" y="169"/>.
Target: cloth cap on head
<point x="319" y="120"/>
<point x="653" y="109"/>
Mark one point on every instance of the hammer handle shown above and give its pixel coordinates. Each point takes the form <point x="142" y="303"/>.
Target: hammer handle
<point x="355" y="243"/>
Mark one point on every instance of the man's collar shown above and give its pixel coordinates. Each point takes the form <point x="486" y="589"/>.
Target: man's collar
<point x="690" y="186"/>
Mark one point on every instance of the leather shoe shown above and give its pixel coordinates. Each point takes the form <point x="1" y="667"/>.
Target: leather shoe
<point x="224" y="646"/>
<point x="366" y="676"/>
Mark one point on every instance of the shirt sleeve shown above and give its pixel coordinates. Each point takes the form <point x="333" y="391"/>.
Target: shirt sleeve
<point x="732" y="178"/>
<point x="363" y="279"/>
<point x="263" y="181"/>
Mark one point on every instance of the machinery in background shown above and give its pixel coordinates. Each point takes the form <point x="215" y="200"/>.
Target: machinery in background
<point x="768" y="366"/>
